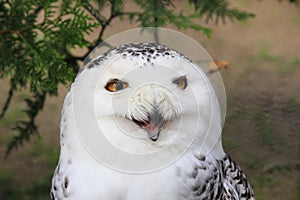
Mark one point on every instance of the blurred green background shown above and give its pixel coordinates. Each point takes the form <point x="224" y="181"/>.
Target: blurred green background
<point x="262" y="128"/>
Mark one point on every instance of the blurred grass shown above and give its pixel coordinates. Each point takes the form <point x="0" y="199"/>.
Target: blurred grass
<point x="265" y="127"/>
<point x="27" y="172"/>
<point x="282" y="64"/>
<point x="14" y="113"/>
<point x="38" y="157"/>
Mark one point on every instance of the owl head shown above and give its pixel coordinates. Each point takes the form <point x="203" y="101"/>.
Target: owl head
<point x="147" y="98"/>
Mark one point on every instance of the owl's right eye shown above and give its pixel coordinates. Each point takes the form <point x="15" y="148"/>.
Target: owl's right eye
<point x="115" y="85"/>
<point x="181" y="82"/>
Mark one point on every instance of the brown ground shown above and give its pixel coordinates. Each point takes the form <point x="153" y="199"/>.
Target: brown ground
<point x="263" y="120"/>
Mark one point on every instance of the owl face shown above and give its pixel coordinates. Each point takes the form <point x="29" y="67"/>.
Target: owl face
<point x="151" y="105"/>
<point x="150" y="93"/>
<point x="145" y="104"/>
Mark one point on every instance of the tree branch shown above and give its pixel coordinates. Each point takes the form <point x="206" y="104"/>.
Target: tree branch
<point x="94" y="13"/>
<point x="7" y="102"/>
<point x="27" y="128"/>
<point x="113" y="15"/>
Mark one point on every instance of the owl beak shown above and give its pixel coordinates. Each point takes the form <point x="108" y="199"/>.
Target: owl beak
<point x="153" y="125"/>
<point x="153" y="130"/>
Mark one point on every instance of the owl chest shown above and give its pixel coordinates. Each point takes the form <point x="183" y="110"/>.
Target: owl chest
<point x="148" y="186"/>
<point x="91" y="180"/>
<point x="94" y="181"/>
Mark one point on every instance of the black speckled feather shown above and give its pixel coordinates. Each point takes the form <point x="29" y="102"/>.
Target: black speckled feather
<point x="212" y="179"/>
<point x="146" y="51"/>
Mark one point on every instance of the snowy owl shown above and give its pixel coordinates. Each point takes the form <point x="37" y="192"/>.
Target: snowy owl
<point x="158" y="110"/>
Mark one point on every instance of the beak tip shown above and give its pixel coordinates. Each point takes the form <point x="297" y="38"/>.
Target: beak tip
<point x="154" y="137"/>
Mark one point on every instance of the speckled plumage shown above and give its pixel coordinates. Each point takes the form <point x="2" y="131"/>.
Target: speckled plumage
<point x="146" y="52"/>
<point x="200" y="173"/>
<point x="225" y="181"/>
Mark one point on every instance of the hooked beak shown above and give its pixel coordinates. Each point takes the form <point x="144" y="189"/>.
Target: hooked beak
<point x="153" y="125"/>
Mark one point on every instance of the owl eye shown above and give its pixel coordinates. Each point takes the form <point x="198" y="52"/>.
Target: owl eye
<point x="181" y="82"/>
<point x="115" y="85"/>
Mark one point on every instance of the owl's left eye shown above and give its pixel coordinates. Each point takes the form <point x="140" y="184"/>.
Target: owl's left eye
<point x="181" y="82"/>
<point x="115" y="85"/>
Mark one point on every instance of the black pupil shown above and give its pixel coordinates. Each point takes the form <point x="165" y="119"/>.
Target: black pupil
<point x="119" y="85"/>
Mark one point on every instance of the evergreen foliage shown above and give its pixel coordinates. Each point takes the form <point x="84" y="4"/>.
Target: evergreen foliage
<point x="36" y="37"/>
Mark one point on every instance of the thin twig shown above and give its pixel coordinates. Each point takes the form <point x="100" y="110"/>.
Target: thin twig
<point x="113" y="15"/>
<point x="91" y="10"/>
<point x="7" y="102"/>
